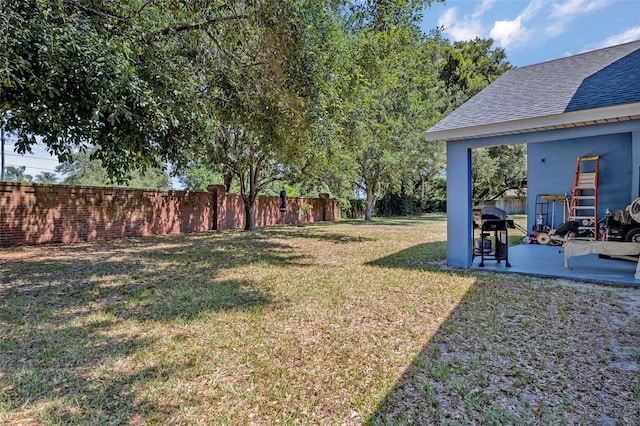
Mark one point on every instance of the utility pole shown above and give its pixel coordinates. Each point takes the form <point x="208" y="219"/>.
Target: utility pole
<point x="2" y="153"/>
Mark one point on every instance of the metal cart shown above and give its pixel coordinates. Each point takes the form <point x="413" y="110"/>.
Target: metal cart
<point x="491" y="222"/>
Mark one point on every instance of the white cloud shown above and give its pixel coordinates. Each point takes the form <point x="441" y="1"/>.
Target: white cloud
<point x="563" y="13"/>
<point x="532" y="9"/>
<point x="448" y="18"/>
<point x="469" y="26"/>
<point x="482" y="8"/>
<point x="555" y="28"/>
<point x="507" y="33"/>
<point x="572" y="8"/>
<point x="632" y="34"/>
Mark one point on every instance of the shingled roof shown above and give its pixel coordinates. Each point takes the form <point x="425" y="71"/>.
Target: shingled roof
<point x="595" y="87"/>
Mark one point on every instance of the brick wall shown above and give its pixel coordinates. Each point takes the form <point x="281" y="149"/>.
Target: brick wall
<point x="37" y="214"/>
<point x="231" y="210"/>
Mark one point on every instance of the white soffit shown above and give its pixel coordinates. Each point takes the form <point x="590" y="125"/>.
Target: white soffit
<point x="550" y="122"/>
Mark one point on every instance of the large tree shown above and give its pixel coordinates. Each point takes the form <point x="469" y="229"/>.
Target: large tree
<point x="327" y="112"/>
<point x="408" y="88"/>
<point x="469" y="66"/>
<point x="257" y="92"/>
<point x="397" y="99"/>
<point x="137" y="83"/>
<point x="126" y="78"/>
<point x="85" y="74"/>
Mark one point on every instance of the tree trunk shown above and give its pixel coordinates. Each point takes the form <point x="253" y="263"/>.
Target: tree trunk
<point x="250" y="199"/>
<point x="371" y="203"/>
<point x="228" y="178"/>
<point x="249" y="214"/>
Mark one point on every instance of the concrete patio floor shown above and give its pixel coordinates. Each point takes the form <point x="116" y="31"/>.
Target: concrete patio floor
<point x="548" y="261"/>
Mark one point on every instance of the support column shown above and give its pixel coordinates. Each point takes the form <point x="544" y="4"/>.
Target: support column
<point x="635" y="165"/>
<point x="459" y="223"/>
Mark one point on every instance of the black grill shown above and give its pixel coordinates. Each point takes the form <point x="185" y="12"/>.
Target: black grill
<point x="491" y="222"/>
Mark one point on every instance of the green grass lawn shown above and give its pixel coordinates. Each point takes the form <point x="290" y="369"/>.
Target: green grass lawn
<point x="334" y="324"/>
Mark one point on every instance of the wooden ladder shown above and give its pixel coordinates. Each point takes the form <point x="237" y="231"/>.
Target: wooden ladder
<point x="584" y="199"/>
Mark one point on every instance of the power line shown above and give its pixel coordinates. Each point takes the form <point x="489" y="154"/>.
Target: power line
<point x="2" y="153"/>
<point x="30" y="167"/>
<point x="30" y="157"/>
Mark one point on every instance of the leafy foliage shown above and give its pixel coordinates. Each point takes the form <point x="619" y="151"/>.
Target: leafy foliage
<point x="197" y="177"/>
<point x="470" y="66"/>
<point x="396" y="103"/>
<point x="257" y="91"/>
<point x="464" y="68"/>
<point x="82" y="170"/>
<point x="46" y="178"/>
<point x="316" y="93"/>
<point x="16" y="174"/>
<point x="497" y="169"/>
<point x="80" y="74"/>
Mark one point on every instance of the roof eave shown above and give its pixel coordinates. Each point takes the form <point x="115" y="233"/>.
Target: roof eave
<point x="555" y="121"/>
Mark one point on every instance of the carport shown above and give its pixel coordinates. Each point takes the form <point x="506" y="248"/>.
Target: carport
<point x="582" y="105"/>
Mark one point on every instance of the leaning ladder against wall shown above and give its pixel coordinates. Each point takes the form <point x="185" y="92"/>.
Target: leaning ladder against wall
<point x="584" y="197"/>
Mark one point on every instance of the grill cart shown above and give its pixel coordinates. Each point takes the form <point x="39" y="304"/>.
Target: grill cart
<point x="493" y="225"/>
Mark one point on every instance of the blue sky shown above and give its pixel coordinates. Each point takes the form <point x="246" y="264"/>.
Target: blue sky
<point x="36" y="163"/>
<point x="533" y="31"/>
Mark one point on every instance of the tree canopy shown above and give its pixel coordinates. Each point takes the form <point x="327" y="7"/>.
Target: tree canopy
<point x="395" y="102"/>
<point x="325" y="94"/>
<point x="82" y="74"/>
<point x="123" y="77"/>
<point x="496" y="170"/>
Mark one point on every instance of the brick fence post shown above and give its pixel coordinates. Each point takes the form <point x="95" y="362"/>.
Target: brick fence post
<point x="217" y="198"/>
<point x="324" y="202"/>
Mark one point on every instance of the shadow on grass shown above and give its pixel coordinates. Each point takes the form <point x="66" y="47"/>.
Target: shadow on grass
<point x="333" y="237"/>
<point x="58" y="315"/>
<point x="142" y="280"/>
<point x="398" y="220"/>
<point x="46" y="366"/>
<point x="421" y="257"/>
<point x="515" y="352"/>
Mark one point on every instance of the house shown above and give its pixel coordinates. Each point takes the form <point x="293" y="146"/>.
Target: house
<point x="582" y="105"/>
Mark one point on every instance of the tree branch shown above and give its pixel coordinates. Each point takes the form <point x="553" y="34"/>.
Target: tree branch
<point x="199" y="25"/>
<point x="93" y="11"/>
<point x="266" y="182"/>
<point x="222" y="48"/>
<point x="147" y="3"/>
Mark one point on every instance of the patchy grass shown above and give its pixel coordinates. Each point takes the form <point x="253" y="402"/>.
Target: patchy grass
<point x="345" y="323"/>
